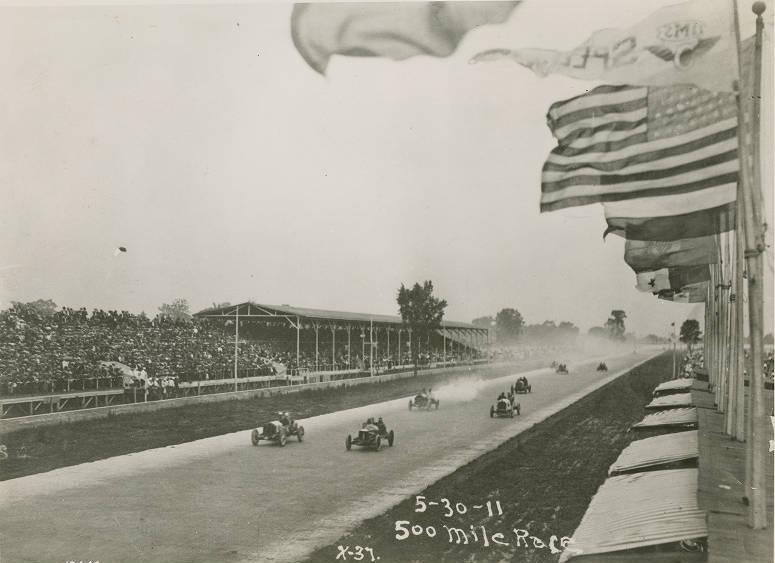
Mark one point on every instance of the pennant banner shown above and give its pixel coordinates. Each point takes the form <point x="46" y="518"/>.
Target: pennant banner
<point x="691" y="294"/>
<point x="396" y="30"/>
<point x="663" y="226"/>
<point x="688" y="43"/>
<point x="674" y="279"/>
<point x="652" y="255"/>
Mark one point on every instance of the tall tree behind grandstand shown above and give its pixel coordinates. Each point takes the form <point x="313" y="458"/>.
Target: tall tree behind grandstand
<point x="40" y="307"/>
<point x="422" y="312"/>
<point x="690" y="332"/>
<point x="178" y="310"/>
<point x="615" y="324"/>
<point x="509" y="324"/>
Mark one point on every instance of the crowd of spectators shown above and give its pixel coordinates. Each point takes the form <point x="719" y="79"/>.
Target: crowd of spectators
<point x="71" y="350"/>
<point x="55" y="352"/>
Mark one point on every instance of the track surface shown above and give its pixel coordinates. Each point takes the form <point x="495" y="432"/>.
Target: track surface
<point x="221" y="499"/>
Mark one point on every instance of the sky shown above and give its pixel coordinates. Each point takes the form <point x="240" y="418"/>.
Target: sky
<point x="197" y="137"/>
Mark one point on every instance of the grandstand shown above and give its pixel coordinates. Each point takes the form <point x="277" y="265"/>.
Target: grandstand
<point x="364" y="340"/>
<point x="71" y="350"/>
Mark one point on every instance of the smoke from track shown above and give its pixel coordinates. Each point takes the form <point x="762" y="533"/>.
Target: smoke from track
<point x="460" y="391"/>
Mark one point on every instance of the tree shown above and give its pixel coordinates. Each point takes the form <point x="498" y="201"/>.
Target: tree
<point x="178" y="310"/>
<point x="41" y="308"/>
<point x="421" y="313"/>
<point x="615" y="324"/>
<point x="508" y="325"/>
<point x="598" y="331"/>
<point x="483" y="322"/>
<point x="690" y="332"/>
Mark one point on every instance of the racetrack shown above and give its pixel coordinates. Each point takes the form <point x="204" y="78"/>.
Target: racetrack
<point x="220" y="499"/>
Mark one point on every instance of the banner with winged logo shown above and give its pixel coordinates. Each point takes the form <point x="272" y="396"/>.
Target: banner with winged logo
<point x="688" y="43"/>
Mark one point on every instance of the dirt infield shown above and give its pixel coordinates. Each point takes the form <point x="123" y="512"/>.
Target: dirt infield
<point x="47" y="448"/>
<point x="544" y="480"/>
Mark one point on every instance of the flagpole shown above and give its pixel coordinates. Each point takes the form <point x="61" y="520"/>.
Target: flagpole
<point x="756" y="438"/>
<point x="739" y="344"/>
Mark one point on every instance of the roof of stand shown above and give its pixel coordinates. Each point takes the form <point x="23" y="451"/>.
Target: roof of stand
<point x="640" y="510"/>
<point x="659" y="450"/>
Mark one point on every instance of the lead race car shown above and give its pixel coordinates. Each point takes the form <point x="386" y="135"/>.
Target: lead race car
<point x="278" y="431"/>
<point x="371" y="435"/>
<point x="424" y="401"/>
<point x="505" y="406"/>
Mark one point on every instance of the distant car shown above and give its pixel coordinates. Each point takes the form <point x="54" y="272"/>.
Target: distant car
<point x="521" y="386"/>
<point x="602" y="366"/>
<point x="370" y="436"/>
<point x="421" y="401"/>
<point x="562" y="368"/>
<point x="504" y="407"/>
<point x="276" y="431"/>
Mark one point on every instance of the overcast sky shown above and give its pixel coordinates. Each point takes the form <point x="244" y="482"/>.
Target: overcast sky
<point x="198" y="138"/>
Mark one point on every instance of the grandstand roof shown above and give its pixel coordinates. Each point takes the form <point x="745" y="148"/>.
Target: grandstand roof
<point x="250" y="308"/>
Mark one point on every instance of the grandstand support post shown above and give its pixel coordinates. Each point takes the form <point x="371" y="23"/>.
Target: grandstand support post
<point x="316" y="326"/>
<point x="298" y="339"/>
<point x="349" y="349"/>
<point x="371" y="347"/>
<point x="398" y="356"/>
<point x="236" y="345"/>
<point x="333" y="347"/>
<point x="387" y="330"/>
<point x="444" y="345"/>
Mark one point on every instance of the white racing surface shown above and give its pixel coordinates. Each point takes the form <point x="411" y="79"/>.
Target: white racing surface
<point x="221" y="499"/>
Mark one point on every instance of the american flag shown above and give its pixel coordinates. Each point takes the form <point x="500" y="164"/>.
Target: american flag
<point x="646" y="152"/>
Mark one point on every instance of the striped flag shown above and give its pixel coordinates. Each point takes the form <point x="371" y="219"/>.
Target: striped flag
<point x="652" y="255"/>
<point x="663" y="160"/>
<point x="397" y="30"/>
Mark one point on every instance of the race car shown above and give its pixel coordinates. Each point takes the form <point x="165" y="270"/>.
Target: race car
<point x="602" y="366"/>
<point x="504" y="406"/>
<point x="278" y="431"/>
<point x="521" y="386"/>
<point x="371" y="435"/>
<point x="562" y="368"/>
<point x="422" y="401"/>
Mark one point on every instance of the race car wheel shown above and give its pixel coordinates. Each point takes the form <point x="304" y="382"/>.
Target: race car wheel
<point x="348" y="443"/>
<point x="300" y="433"/>
<point x="378" y="443"/>
<point x="283" y="439"/>
<point x="391" y="438"/>
<point x="255" y="437"/>
<point x="492" y="412"/>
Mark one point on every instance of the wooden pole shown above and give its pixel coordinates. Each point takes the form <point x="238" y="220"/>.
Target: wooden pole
<point x="739" y="344"/>
<point x="757" y="438"/>
<point x="731" y="421"/>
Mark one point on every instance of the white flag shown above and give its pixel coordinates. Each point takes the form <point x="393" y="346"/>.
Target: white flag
<point x="688" y="43"/>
